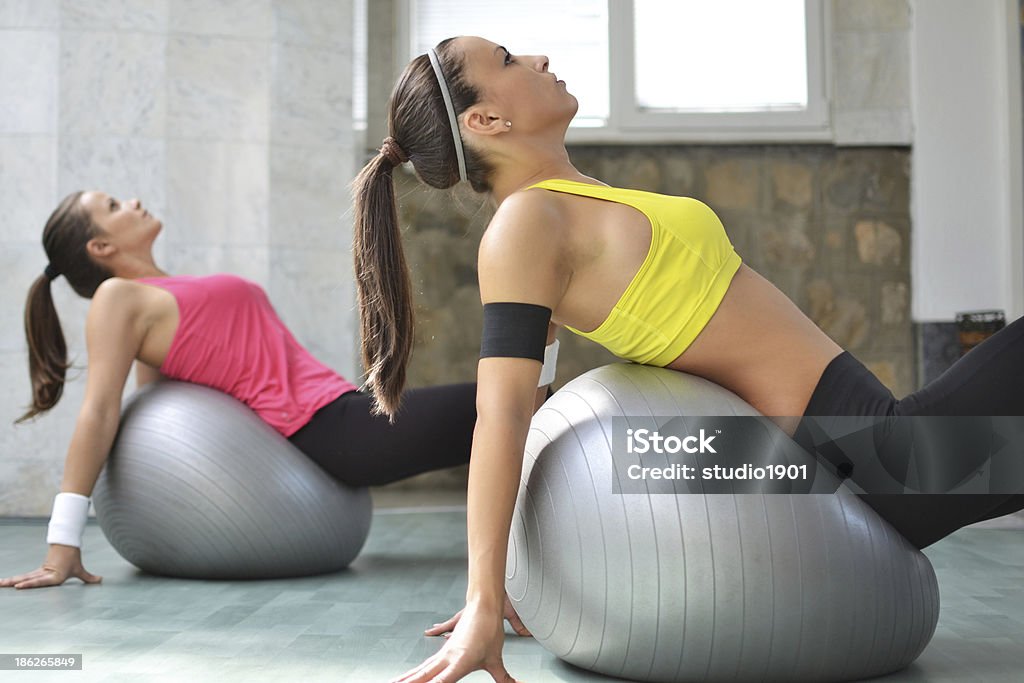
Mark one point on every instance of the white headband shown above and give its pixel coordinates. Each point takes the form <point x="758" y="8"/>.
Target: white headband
<point x="456" y="136"/>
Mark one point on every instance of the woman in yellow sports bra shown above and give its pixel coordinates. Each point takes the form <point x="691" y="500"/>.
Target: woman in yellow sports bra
<point x="654" y="278"/>
<point x="678" y="286"/>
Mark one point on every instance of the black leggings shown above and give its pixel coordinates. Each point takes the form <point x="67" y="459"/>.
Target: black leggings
<point x="433" y="430"/>
<point x="987" y="381"/>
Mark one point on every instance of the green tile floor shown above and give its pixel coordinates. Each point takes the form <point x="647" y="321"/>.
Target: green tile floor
<point x="365" y="624"/>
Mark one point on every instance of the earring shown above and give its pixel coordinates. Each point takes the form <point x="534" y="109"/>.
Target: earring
<point x="508" y="124"/>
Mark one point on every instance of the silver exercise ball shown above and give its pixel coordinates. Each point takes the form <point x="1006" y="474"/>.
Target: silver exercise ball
<point x="198" y="486"/>
<point x="701" y="587"/>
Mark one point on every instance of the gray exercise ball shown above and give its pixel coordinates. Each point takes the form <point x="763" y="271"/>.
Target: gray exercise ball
<point x="198" y="486"/>
<point x="695" y="586"/>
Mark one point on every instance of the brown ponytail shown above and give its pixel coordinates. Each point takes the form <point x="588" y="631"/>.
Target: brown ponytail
<point x="47" y="351"/>
<point x="383" y="286"/>
<point x="420" y="132"/>
<point x="67" y="231"/>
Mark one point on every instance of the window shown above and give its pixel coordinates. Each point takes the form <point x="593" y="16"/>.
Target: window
<point x="661" y="70"/>
<point x="579" y="56"/>
<point x="729" y="55"/>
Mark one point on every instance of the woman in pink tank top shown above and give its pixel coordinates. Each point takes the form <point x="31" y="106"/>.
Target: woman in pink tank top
<point x="220" y="331"/>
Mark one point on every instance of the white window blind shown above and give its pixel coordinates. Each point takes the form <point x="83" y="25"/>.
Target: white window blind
<point x="572" y="33"/>
<point x="725" y="56"/>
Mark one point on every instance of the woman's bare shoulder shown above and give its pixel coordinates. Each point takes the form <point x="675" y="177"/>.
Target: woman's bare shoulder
<point x="118" y="290"/>
<point x="124" y="296"/>
<point x="528" y="209"/>
<point x="523" y="218"/>
<point x="522" y="251"/>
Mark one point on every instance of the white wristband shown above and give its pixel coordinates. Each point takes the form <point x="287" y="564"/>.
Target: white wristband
<point x="70" y="511"/>
<point x="547" y="373"/>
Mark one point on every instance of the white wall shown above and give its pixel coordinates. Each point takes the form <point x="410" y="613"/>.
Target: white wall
<point x="967" y="245"/>
<point x="230" y="119"/>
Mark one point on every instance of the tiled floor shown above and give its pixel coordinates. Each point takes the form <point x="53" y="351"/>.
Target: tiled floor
<point x="365" y="624"/>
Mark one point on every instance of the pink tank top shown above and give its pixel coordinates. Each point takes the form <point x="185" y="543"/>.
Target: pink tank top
<point x="230" y="338"/>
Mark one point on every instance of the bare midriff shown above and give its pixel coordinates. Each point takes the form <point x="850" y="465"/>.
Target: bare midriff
<point x="762" y="347"/>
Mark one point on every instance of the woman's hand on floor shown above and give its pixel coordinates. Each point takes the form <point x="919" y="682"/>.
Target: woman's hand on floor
<point x="62" y="563"/>
<point x="474" y="644"/>
<point x="446" y="627"/>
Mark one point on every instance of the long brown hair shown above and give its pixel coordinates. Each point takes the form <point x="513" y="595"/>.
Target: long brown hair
<point x="67" y="231"/>
<point x="418" y="122"/>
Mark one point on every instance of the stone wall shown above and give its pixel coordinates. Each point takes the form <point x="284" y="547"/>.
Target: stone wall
<point x="829" y="226"/>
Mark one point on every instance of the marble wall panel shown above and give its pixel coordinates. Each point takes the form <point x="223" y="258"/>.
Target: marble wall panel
<point x="29" y="13"/>
<point x="872" y="70"/>
<point x="250" y="262"/>
<point x="312" y="290"/>
<point x="21" y="264"/>
<point x="121" y="166"/>
<point x="112" y="83"/>
<point x="870" y="48"/>
<point x="216" y="193"/>
<point x="217" y="89"/>
<point x="874" y="126"/>
<point x="28" y="184"/>
<point x="26" y="476"/>
<point x="28" y="89"/>
<point x="313" y="23"/>
<point x="34" y="452"/>
<point x="309" y="201"/>
<point x="236" y="18"/>
<point x="871" y="15"/>
<point x="312" y="96"/>
<point x="106" y="15"/>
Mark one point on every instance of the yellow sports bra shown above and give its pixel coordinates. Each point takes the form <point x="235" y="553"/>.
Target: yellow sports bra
<point x="680" y="283"/>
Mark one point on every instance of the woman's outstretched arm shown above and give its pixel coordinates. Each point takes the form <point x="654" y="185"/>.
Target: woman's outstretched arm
<point x="114" y="331"/>
<point x="541" y="395"/>
<point x="521" y="262"/>
<point x="113" y="335"/>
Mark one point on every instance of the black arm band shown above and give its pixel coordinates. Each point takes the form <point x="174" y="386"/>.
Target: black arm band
<point x="514" y="330"/>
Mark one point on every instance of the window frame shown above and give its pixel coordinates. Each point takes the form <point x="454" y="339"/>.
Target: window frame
<point x="628" y="123"/>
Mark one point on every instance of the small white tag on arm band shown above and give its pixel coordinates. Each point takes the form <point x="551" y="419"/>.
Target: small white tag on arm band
<point x="547" y="373"/>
